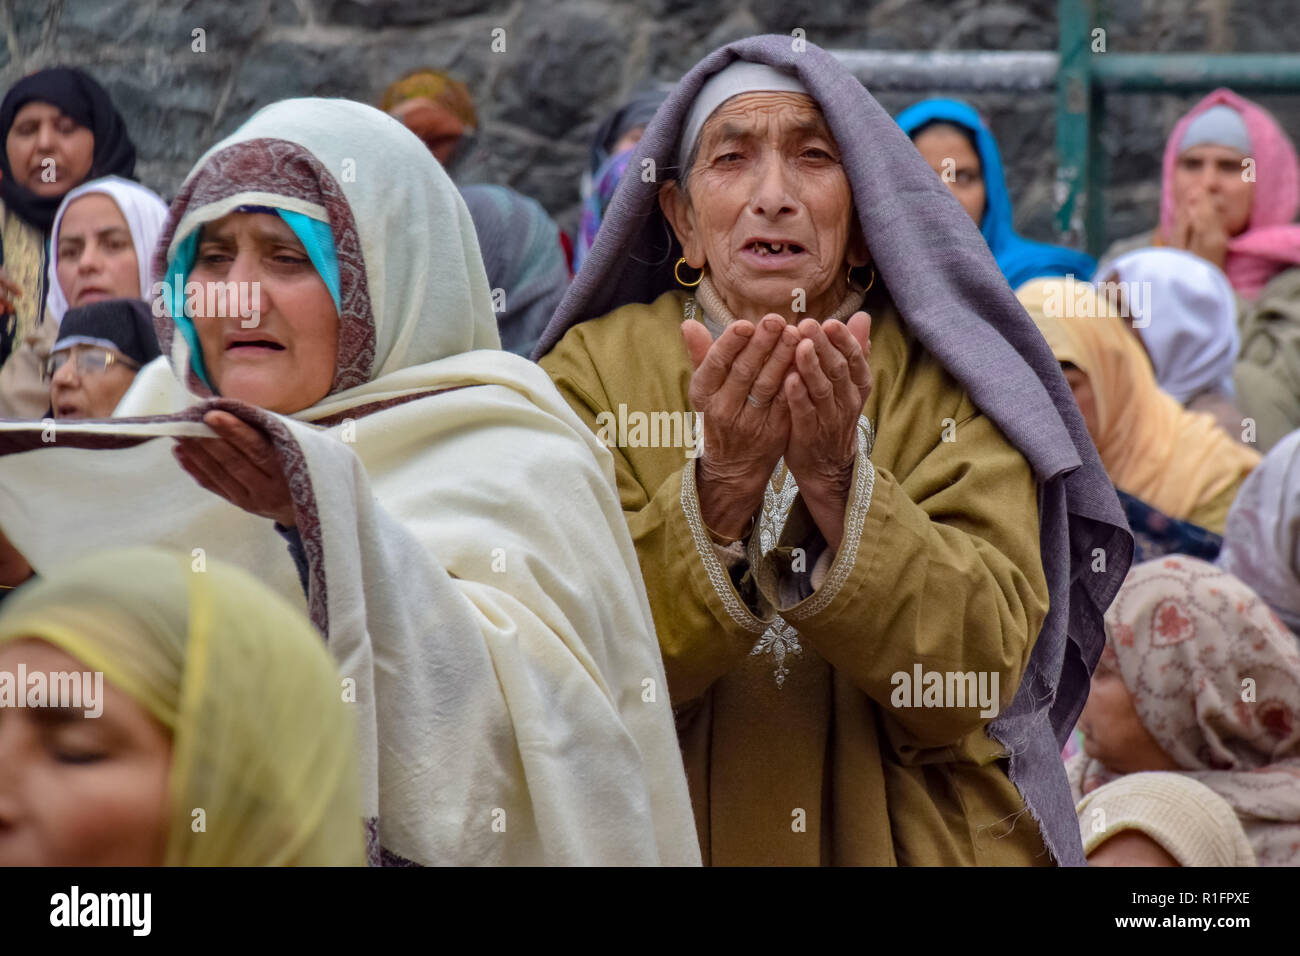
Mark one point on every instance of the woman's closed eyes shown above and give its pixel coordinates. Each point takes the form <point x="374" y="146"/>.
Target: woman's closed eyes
<point x="65" y="127"/>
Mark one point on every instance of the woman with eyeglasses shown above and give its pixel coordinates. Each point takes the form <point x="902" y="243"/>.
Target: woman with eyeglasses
<point x="100" y="348"/>
<point x="89" y="368"/>
<point x="93" y="362"/>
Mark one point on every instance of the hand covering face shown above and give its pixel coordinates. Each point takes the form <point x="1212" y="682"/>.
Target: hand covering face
<point x="1271" y="239"/>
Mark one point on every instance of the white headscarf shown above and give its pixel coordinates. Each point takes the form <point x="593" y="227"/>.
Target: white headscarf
<point x="144" y="212"/>
<point x="740" y="77"/>
<point x="1188" y="319"/>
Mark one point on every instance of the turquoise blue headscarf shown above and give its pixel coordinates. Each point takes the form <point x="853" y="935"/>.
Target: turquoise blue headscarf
<point x="315" y="237"/>
<point x="1019" y="259"/>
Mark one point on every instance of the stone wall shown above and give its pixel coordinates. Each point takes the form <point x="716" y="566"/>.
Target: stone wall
<point x="569" y="62"/>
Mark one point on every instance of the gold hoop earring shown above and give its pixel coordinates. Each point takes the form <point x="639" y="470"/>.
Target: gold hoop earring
<point x="848" y="278"/>
<point x="678" y="276"/>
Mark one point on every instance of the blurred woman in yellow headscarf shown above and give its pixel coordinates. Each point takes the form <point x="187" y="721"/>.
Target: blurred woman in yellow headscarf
<point x="216" y="736"/>
<point x="1177" y="461"/>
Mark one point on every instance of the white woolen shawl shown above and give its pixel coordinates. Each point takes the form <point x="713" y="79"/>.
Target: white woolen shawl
<point x="472" y="571"/>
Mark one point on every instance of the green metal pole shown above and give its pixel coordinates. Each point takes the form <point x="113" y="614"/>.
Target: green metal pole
<point x="1097" y="178"/>
<point x="1193" y="72"/>
<point x="1074" y="102"/>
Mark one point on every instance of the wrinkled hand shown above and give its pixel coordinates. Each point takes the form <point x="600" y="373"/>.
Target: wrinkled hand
<point x="743" y="439"/>
<point x="826" y="391"/>
<point x="1198" y="228"/>
<point x="240" y="465"/>
<point x="9" y="291"/>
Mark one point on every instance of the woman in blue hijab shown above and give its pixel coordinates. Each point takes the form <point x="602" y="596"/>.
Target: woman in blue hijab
<point x="954" y="140"/>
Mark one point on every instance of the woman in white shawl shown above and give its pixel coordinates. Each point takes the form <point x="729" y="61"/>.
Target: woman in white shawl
<point x="1184" y="312"/>
<point x="460" y="541"/>
<point x="139" y="208"/>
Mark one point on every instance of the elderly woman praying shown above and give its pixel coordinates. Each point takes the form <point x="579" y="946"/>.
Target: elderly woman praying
<point x="895" y="494"/>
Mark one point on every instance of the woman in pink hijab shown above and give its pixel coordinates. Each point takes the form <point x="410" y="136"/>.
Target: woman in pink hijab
<point x="1230" y="194"/>
<point x="1231" y="191"/>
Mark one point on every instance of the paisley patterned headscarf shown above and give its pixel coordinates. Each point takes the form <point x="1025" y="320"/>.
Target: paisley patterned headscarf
<point x="1215" y="679"/>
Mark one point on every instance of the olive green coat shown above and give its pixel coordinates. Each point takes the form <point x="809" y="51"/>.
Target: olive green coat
<point x="940" y="568"/>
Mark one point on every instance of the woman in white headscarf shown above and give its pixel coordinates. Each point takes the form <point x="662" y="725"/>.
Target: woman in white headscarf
<point x="1185" y="314"/>
<point x="455" y="525"/>
<point x="143" y="214"/>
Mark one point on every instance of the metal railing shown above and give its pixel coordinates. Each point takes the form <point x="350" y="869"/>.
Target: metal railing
<point x="1083" y="72"/>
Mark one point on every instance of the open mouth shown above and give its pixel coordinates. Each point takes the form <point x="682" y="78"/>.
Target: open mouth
<point x="255" y="344"/>
<point x="763" y="248"/>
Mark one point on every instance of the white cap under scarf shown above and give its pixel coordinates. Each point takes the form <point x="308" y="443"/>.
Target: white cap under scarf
<point x="1220" y="125"/>
<point x="740" y="77"/>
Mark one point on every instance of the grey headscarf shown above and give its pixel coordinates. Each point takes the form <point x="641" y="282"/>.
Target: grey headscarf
<point x="1220" y="125"/>
<point x="951" y="295"/>
<point x="524" y="260"/>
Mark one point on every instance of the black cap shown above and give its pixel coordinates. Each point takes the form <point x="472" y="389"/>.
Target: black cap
<point x="127" y="323"/>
